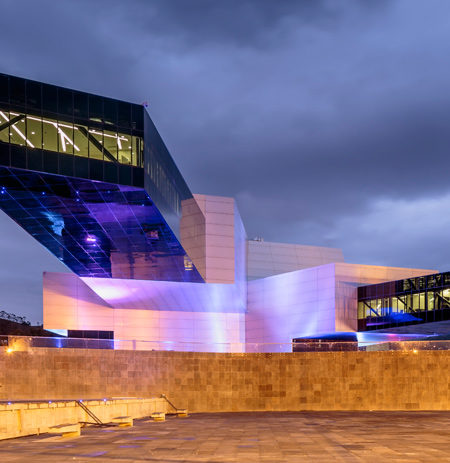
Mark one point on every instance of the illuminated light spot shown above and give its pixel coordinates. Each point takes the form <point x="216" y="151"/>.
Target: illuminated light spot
<point x="10" y="350"/>
<point x="415" y="351"/>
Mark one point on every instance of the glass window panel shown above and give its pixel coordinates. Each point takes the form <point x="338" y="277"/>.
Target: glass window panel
<point x="17" y="90"/>
<point x="66" y="140"/>
<point x="34" y="131"/>
<point x="4" y="134"/>
<point x="421" y="283"/>
<point x="110" y="142"/>
<point x="361" y="309"/>
<point x="65" y="102"/>
<point x="95" y="108"/>
<point x="81" y="141"/>
<point x="22" y="126"/>
<point x="124" y="114"/>
<point x="393" y="304"/>
<point x="137" y="115"/>
<point x="374" y="306"/>
<point x="34" y="159"/>
<point x="4" y="89"/>
<point x="95" y="169"/>
<point x="430" y="300"/>
<point x="400" y="305"/>
<point x="137" y="151"/>
<point x="110" y="111"/>
<point x="408" y="302"/>
<point x="125" y="175"/>
<point x="66" y="165"/>
<point x="18" y="157"/>
<point x="34" y="96"/>
<point x="81" y="166"/>
<point x="446" y="298"/>
<point x="95" y="148"/>
<point x="446" y="279"/>
<point x="49" y="98"/>
<point x="110" y="172"/>
<point x="50" y="136"/>
<point x="17" y="131"/>
<point x="80" y="105"/>
<point x="422" y="301"/>
<point x="415" y="302"/>
<point x="51" y="162"/>
<point x="438" y="299"/>
<point x="125" y="149"/>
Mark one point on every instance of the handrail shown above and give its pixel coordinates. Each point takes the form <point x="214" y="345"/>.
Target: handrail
<point x="97" y="420"/>
<point x="12" y="343"/>
<point x="163" y="396"/>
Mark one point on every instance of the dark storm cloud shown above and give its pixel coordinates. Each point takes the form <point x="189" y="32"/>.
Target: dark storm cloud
<point x="328" y="121"/>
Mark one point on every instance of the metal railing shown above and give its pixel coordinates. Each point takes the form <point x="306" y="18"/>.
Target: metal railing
<point x="13" y="343"/>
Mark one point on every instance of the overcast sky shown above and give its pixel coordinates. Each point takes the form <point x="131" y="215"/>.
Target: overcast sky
<point x="328" y="121"/>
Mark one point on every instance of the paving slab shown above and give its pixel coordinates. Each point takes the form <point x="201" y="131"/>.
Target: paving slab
<point x="317" y="437"/>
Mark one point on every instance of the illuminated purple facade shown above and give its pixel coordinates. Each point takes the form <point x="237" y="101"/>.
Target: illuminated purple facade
<point x="91" y="180"/>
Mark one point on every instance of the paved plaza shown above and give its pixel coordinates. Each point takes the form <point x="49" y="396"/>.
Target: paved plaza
<point x="250" y="437"/>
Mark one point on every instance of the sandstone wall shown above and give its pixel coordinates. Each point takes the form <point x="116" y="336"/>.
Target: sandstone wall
<point x="213" y="382"/>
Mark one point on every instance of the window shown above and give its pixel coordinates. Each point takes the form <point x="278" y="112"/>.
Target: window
<point x="68" y="138"/>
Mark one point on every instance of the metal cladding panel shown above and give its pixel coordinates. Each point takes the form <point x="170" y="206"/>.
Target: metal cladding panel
<point x="97" y="229"/>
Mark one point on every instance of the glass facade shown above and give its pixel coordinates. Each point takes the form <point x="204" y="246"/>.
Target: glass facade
<point x="57" y="130"/>
<point x="97" y="229"/>
<point x="91" y="179"/>
<point x="408" y="301"/>
<point x="163" y="180"/>
<point x="37" y="132"/>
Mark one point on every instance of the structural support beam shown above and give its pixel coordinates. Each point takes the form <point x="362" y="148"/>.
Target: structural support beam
<point x="98" y="145"/>
<point x="12" y="121"/>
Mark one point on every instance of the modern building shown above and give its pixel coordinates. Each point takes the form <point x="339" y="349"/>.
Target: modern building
<point x="90" y="178"/>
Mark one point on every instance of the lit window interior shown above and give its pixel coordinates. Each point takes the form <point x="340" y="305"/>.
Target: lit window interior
<point x="52" y="135"/>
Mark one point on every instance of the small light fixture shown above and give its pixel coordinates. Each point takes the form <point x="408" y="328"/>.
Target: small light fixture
<point x="9" y="350"/>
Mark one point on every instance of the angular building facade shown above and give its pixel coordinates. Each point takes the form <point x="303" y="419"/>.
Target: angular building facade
<point x="91" y="180"/>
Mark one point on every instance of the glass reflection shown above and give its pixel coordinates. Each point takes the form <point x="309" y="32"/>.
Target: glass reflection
<point x="413" y="300"/>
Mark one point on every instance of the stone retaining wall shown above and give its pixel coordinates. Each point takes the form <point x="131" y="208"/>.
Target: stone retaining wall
<point x="216" y="382"/>
<point x="26" y="418"/>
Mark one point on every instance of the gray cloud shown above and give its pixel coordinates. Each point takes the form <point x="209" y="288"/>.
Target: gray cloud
<point x="318" y="116"/>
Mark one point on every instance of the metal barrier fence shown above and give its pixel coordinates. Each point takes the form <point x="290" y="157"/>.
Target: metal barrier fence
<point x="23" y="343"/>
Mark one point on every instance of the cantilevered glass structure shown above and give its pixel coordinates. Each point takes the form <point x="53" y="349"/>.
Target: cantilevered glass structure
<point x="91" y="179"/>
